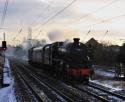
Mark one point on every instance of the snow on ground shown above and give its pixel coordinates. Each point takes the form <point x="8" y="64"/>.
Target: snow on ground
<point x="6" y="64"/>
<point x="6" y="72"/>
<point x="101" y="70"/>
<point x="110" y="84"/>
<point x="104" y="73"/>
<point x="7" y="93"/>
<point x="108" y="79"/>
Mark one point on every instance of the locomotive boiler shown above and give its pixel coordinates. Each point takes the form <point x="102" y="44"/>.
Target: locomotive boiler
<point x="66" y="60"/>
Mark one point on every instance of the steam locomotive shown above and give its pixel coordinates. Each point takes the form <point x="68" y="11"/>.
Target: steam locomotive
<point x="66" y="60"/>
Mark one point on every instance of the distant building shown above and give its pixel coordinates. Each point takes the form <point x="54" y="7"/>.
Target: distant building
<point x="93" y="42"/>
<point x="115" y="48"/>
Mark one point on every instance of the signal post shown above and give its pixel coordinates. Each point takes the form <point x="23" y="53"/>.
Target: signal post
<point x="4" y="72"/>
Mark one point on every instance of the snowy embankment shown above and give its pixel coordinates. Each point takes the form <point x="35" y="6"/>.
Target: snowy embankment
<point x="104" y="73"/>
<point x="100" y="70"/>
<point x="7" y="73"/>
<point x="107" y="78"/>
<point x="7" y="93"/>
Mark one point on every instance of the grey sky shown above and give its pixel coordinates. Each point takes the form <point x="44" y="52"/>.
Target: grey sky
<point x="22" y="14"/>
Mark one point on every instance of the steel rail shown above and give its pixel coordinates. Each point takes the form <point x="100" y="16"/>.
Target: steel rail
<point x="92" y="84"/>
<point x="93" y="94"/>
<point x="49" y="86"/>
<point x="28" y="85"/>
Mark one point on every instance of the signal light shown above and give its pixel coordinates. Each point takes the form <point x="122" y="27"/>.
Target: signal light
<point x="4" y="45"/>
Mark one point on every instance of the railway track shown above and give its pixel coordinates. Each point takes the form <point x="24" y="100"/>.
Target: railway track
<point x="107" y="90"/>
<point x="91" y="90"/>
<point x="92" y="94"/>
<point x="24" y="93"/>
<point x="85" y="91"/>
<point x="39" y="88"/>
<point x="71" y="91"/>
<point x="104" y="90"/>
<point x="101" y="92"/>
<point x="61" y="93"/>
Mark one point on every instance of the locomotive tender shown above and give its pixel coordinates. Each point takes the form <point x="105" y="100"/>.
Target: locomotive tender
<point x="67" y="60"/>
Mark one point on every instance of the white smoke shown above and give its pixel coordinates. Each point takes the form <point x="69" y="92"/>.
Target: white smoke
<point x="55" y="36"/>
<point x="62" y="35"/>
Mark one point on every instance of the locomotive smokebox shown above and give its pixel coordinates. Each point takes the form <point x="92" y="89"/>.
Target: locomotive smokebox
<point x="76" y="40"/>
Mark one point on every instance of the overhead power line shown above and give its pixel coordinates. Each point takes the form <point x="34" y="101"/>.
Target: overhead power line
<point x="106" y="20"/>
<point x="104" y="35"/>
<point x="35" y="20"/>
<point x="39" y="33"/>
<point x="112" y="2"/>
<point x="43" y="11"/>
<point x="4" y="13"/>
<point x="86" y="35"/>
<point x="17" y="34"/>
<point x="59" y="12"/>
<point x="98" y="9"/>
<point x="56" y="15"/>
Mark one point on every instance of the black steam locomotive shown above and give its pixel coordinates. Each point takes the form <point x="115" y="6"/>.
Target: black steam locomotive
<point x="67" y="60"/>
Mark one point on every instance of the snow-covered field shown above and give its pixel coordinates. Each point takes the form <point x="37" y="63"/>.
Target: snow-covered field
<point x="7" y="93"/>
<point x="104" y="73"/>
<point x="108" y="79"/>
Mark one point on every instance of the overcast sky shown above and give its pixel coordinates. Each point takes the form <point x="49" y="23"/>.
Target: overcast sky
<point x="98" y="16"/>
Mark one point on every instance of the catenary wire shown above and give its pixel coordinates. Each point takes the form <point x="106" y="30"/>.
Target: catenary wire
<point x="52" y="17"/>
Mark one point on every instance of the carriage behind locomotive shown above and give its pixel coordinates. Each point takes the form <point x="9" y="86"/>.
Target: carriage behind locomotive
<point x="67" y="60"/>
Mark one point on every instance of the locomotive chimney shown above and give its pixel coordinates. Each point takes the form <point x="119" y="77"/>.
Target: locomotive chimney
<point x="76" y="40"/>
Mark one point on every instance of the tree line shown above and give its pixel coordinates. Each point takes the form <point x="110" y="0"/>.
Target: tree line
<point x="108" y="55"/>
